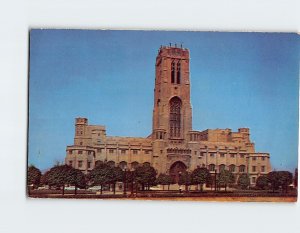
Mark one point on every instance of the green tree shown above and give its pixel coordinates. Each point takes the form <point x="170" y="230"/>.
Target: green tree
<point x="262" y="182"/>
<point x="200" y="176"/>
<point x="225" y="178"/>
<point x="145" y="175"/>
<point x="244" y="181"/>
<point x="164" y="179"/>
<point x="118" y="177"/>
<point x="185" y="178"/>
<point x="296" y="178"/>
<point x="76" y="178"/>
<point x="102" y="174"/>
<point x="62" y="175"/>
<point x="33" y="176"/>
<point x="280" y="179"/>
<point x="273" y="179"/>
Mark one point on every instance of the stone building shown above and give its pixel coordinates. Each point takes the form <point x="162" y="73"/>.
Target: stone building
<point x="173" y="146"/>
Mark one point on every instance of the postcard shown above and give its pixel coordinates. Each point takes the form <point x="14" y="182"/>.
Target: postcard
<point x="163" y="115"/>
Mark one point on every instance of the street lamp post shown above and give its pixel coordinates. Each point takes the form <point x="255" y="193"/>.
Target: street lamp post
<point x="132" y="177"/>
<point x="215" y="180"/>
<point x="124" y="180"/>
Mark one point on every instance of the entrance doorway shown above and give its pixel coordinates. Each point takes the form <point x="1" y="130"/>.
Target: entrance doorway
<point x="176" y="170"/>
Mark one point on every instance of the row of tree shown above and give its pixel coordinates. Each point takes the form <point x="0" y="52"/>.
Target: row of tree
<point x="145" y="176"/>
<point x="103" y="175"/>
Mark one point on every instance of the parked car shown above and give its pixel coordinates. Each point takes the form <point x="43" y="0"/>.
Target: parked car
<point x="94" y="188"/>
<point x="71" y="188"/>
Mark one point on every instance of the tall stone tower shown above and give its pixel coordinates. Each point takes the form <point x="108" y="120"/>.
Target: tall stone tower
<point x="172" y="113"/>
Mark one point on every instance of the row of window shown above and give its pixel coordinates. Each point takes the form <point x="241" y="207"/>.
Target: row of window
<point x="222" y="155"/>
<point x="111" y="151"/>
<point x="80" y="163"/>
<point x="233" y="168"/>
<point x="123" y="151"/>
<point x="122" y="164"/>
<point x="80" y="152"/>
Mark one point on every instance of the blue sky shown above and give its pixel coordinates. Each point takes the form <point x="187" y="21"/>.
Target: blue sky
<point x="237" y="80"/>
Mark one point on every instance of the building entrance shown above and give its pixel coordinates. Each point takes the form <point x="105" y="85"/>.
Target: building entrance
<point x="176" y="170"/>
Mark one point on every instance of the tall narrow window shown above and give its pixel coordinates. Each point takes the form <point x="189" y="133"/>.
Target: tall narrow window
<point x="178" y="72"/>
<point x="175" y="117"/>
<point x="172" y="72"/>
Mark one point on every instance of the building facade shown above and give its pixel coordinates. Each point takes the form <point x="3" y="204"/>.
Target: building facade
<point x="173" y="146"/>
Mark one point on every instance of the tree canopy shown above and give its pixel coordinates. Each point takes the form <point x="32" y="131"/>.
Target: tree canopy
<point x="145" y="175"/>
<point x="225" y="178"/>
<point x="244" y="181"/>
<point x="279" y="179"/>
<point x="164" y="179"/>
<point x="103" y="174"/>
<point x="62" y="175"/>
<point x="262" y="182"/>
<point x="200" y="176"/>
<point x="33" y="176"/>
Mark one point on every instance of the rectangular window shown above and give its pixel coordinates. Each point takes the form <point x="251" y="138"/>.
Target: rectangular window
<point x="123" y="151"/>
<point x="263" y="169"/>
<point x="99" y="150"/>
<point x="111" y="151"/>
<point x="89" y="152"/>
<point x="253" y="180"/>
<point x="147" y="151"/>
<point x="242" y="156"/>
<point x="80" y="163"/>
<point x="135" y="152"/>
<point x="70" y="152"/>
<point x="254" y="158"/>
<point x="195" y="152"/>
<point x="253" y="168"/>
<point x="231" y="155"/>
<point x="263" y="158"/>
<point x="222" y="155"/>
<point x="80" y="143"/>
<point x="70" y="162"/>
<point x="89" y="164"/>
<point x="212" y="154"/>
<point x="80" y="152"/>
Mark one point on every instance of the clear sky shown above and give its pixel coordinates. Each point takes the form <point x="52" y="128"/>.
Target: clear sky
<point x="237" y="80"/>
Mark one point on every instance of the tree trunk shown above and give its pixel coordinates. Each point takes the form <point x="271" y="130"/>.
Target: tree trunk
<point x="168" y="187"/>
<point x="163" y="187"/>
<point x="101" y="189"/>
<point x="201" y="187"/>
<point x="63" y="190"/>
<point x="114" y="188"/>
<point x="75" y="189"/>
<point x="225" y="187"/>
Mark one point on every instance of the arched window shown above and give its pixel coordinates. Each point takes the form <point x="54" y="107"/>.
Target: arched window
<point x="146" y="164"/>
<point x="123" y="165"/>
<point x="175" y="117"/>
<point x="221" y="167"/>
<point x="242" y="168"/>
<point x="178" y="72"/>
<point x="111" y="163"/>
<point x="134" y="165"/>
<point x="173" y="72"/>
<point x="232" y="168"/>
<point x="211" y="167"/>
